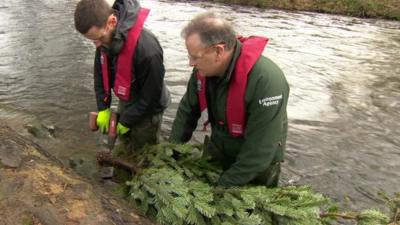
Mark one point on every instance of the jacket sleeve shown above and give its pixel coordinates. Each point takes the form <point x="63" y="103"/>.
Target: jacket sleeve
<point x="150" y="82"/>
<point x="265" y="132"/>
<point x="103" y="101"/>
<point x="187" y="114"/>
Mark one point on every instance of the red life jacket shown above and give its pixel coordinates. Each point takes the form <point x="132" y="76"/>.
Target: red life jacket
<point x="125" y="70"/>
<point x="252" y="48"/>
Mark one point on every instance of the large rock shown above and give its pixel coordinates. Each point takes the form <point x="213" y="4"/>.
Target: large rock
<point x="36" y="190"/>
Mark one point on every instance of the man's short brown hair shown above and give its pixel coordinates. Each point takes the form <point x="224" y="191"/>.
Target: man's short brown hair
<point x="89" y="13"/>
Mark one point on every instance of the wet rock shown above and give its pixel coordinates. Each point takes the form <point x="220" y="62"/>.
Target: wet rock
<point x="51" y="129"/>
<point x="47" y="214"/>
<point x="40" y="130"/>
<point x="9" y="156"/>
<point x="75" y="162"/>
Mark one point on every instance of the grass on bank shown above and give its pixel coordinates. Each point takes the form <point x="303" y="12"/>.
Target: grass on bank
<point x="386" y="9"/>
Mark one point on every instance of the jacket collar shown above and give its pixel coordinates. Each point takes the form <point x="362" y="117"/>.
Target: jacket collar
<point x="228" y="73"/>
<point x="126" y="12"/>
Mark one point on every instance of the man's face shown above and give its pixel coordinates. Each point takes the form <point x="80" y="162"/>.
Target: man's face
<point x="204" y="58"/>
<point x="102" y="36"/>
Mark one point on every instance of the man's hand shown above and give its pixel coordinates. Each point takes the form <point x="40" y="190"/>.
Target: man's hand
<point x="103" y="120"/>
<point x="121" y="129"/>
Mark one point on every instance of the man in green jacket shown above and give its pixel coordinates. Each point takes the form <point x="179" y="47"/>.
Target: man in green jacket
<point x="242" y="94"/>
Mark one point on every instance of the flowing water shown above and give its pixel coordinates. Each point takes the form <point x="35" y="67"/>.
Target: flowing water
<point x="344" y="74"/>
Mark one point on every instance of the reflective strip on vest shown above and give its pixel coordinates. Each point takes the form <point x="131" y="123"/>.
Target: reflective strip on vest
<point x="252" y="48"/>
<point x="125" y="71"/>
<point x="104" y="71"/>
<point x="201" y="90"/>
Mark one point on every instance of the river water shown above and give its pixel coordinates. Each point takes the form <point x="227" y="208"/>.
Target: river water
<point x="344" y="74"/>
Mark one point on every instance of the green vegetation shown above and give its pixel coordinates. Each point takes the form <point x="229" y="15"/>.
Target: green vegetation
<point x="174" y="184"/>
<point x="27" y="221"/>
<point x="387" y="9"/>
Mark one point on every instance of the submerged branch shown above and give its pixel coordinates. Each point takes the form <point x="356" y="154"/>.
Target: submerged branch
<point x="106" y="159"/>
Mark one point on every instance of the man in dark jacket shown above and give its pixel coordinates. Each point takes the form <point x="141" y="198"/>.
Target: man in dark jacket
<point x="242" y="94"/>
<point x="129" y="60"/>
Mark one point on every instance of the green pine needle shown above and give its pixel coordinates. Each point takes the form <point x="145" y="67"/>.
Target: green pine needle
<point x="176" y="186"/>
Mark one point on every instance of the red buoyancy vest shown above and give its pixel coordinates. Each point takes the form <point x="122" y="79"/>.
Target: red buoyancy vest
<point x="252" y="48"/>
<point x="124" y="73"/>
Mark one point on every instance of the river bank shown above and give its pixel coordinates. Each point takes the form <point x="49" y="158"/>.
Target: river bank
<point x="385" y="9"/>
<point x="36" y="189"/>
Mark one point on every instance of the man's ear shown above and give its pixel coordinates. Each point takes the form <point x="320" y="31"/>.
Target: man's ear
<point x="220" y="48"/>
<point x="112" y="21"/>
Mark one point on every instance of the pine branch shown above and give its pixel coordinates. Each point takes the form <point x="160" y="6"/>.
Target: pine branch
<point x="396" y="217"/>
<point x="346" y="216"/>
<point x="175" y="186"/>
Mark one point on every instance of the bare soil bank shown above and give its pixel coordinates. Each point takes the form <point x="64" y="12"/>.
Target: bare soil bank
<point x="35" y="189"/>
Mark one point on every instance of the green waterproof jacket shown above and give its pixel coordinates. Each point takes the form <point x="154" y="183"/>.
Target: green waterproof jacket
<point x="245" y="158"/>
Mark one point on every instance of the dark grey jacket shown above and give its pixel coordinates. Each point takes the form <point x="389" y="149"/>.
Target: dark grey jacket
<point x="149" y="95"/>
